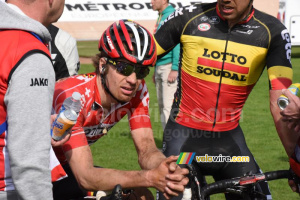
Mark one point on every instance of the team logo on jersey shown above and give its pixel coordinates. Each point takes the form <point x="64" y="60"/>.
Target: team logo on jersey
<point x="214" y="20"/>
<point x="288" y="47"/>
<point x="39" y="82"/>
<point x="204" y="18"/>
<point x="98" y="130"/>
<point x="249" y="32"/>
<point x="248" y="26"/>
<point x="204" y="27"/>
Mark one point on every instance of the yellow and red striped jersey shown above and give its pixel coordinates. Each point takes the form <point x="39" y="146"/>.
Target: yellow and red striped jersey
<point x="219" y="65"/>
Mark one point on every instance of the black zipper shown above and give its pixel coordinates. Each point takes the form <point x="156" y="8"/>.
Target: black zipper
<point x="221" y="76"/>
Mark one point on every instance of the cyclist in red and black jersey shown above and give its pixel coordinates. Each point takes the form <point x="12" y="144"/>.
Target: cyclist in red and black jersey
<point x="116" y="89"/>
<point x="225" y="47"/>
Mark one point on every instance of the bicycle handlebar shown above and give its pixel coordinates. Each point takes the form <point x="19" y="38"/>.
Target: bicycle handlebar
<point x="218" y="187"/>
<point x="221" y="186"/>
<point x="273" y="175"/>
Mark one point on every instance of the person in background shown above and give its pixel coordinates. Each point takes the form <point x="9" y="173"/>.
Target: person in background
<point x="64" y="53"/>
<point x="27" y="82"/>
<point x="225" y="45"/>
<point x="114" y="90"/>
<point x="166" y="68"/>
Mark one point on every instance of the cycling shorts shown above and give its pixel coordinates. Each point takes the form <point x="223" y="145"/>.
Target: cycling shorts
<point x="229" y="144"/>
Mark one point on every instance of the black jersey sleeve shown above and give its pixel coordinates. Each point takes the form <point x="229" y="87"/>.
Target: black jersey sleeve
<point x="278" y="60"/>
<point x="280" y="47"/>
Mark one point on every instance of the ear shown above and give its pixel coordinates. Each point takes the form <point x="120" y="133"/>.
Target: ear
<point x="102" y="65"/>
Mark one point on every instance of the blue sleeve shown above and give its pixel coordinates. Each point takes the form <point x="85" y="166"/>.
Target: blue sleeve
<point x="175" y="57"/>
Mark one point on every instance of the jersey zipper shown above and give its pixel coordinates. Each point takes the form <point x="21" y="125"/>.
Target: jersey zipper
<point x="220" y="83"/>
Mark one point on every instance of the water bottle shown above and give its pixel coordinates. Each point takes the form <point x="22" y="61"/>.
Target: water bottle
<point x="67" y="117"/>
<point x="283" y="101"/>
<point x="187" y="194"/>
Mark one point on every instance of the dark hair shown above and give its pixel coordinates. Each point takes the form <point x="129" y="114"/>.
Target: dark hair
<point x="96" y="60"/>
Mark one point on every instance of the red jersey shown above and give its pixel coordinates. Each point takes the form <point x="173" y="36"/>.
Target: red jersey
<point x="92" y="123"/>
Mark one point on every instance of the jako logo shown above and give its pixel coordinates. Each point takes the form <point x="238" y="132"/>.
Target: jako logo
<point x="204" y="27"/>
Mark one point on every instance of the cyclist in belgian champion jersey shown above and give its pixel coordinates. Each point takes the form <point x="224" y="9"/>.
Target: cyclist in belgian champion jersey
<point x="225" y="47"/>
<point x="116" y="89"/>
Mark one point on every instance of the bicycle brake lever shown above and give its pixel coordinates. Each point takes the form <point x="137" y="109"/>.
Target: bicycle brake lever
<point x="192" y="171"/>
<point x="117" y="192"/>
<point x="194" y="182"/>
<point x="293" y="176"/>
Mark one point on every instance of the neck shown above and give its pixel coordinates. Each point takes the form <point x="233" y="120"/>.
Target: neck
<point x="106" y="99"/>
<point x="231" y="23"/>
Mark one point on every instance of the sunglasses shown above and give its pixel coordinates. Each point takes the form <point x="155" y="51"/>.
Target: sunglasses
<point x="127" y="69"/>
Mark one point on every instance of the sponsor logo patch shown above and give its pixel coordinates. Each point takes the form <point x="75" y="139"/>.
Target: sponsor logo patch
<point x="204" y="27"/>
<point x="39" y="82"/>
<point x="214" y="20"/>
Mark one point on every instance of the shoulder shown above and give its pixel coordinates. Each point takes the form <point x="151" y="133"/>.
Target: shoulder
<point x="24" y="41"/>
<point x="75" y="83"/>
<point x="269" y="21"/>
<point x="18" y="45"/>
<point x="79" y="83"/>
<point x="169" y="9"/>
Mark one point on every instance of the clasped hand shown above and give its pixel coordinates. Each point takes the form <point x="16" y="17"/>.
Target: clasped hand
<point x="169" y="178"/>
<point x="291" y="114"/>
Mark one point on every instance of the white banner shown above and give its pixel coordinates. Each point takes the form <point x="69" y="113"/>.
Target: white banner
<point x="112" y="10"/>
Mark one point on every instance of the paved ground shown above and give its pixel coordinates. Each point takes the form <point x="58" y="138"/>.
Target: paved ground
<point x="85" y="60"/>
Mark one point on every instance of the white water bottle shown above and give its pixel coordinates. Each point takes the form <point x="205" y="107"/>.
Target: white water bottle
<point x="67" y="117"/>
<point x="187" y="194"/>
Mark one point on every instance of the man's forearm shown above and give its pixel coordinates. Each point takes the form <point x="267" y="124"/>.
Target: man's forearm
<point x="148" y="154"/>
<point x="106" y="179"/>
<point x="288" y="137"/>
<point x="151" y="159"/>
